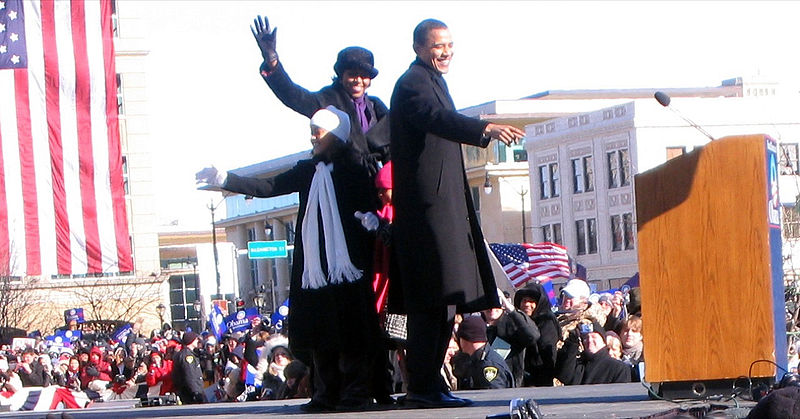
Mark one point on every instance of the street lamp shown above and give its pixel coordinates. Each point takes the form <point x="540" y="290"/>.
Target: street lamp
<point x="160" y="309"/>
<point x="487" y="185"/>
<point x="522" y="192"/>
<point x="214" y="244"/>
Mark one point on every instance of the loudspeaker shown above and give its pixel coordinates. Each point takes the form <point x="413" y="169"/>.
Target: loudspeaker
<point x="710" y="265"/>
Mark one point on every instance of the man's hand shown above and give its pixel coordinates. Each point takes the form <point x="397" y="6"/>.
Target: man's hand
<point x="508" y="134"/>
<point x="265" y="40"/>
<point x="369" y="220"/>
<point x="211" y="176"/>
<point x="505" y="302"/>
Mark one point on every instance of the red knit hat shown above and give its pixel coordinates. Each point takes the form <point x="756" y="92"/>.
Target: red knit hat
<point x="383" y="180"/>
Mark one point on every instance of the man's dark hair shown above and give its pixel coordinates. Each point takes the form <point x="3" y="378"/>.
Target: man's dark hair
<point x="424" y="28"/>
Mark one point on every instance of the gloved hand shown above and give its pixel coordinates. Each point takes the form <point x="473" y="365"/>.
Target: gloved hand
<point x="505" y="302"/>
<point x="372" y="163"/>
<point x="369" y="220"/>
<point x="211" y="176"/>
<point x="265" y="40"/>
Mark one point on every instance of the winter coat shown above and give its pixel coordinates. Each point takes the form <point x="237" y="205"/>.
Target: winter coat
<point x="540" y="359"/>
<point x="337" y="316"/>
<point x="590" y="368"/>
<point x="38" y="377"/>
<point x="161" y="374"/>
<point x="100" y="370"/>
<point x="520" y="332"/>
<point x="376" y="139"/>
<point x="439" y="257"/>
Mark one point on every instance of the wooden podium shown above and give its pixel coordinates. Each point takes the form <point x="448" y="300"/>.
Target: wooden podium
<point x="710" y="267"/>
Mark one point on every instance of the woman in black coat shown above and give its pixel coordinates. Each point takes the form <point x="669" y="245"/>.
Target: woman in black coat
<point x="354" y="70"/>
<point x="540" y="358"/>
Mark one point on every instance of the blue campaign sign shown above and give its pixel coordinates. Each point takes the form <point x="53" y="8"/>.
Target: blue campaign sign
<point x="267" y="249"/>
<point x="240" y="321"/>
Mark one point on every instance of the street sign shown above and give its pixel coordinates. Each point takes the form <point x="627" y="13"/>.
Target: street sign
<point x="267" y="249"/>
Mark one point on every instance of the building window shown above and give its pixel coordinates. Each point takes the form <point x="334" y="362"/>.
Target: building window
<point x="120" y="100"/>
<point x="251" y="237"/>
<point x="788" y="159"/>
<point x="500" y="151"/>
<point x="586" y="234"/>
<point x="622" y="232"/>
<point x="125" y="185"/>
<point x="619" y="168"/>
<point x="544" y="182"/>
<point x="673" y="152"/>
<point x="591" y="239"/>
<point x="791" y="223"/>
<point x="182" y="295"/>
<point x="552" y="233"/>
<point x="555" y="184"/>
<point x="628" y="228"/>
<point x="114" y="19"/>
<point x="582" y="175"/>
<point x="549" y="185"/>
<point x="580" y="232"/>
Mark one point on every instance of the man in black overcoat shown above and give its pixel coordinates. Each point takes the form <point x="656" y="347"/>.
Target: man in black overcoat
<point x="440" y="261"/>
<point x="354" y="70"/>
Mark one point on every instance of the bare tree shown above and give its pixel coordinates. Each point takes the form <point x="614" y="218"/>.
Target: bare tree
<point x="16" y="295"/>
<point x="116" y="299"/>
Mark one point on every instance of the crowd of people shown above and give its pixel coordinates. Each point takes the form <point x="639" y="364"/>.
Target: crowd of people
<point x="526" y="342"/>
<point x="196" y="367"/>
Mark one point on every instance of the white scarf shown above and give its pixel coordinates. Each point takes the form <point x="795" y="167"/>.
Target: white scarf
<point x="322" y="199"/>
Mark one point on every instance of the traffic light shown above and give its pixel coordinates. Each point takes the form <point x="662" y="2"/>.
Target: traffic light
<point x="239" y="304"/>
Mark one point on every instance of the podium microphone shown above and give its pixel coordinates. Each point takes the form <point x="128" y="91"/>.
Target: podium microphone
<point x="664" y="100"/>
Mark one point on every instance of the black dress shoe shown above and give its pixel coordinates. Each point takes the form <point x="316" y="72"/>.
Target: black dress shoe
<point x="355" y="406"/>
<point x="432" y="401"/>
<point x="385" y="400"/>
<point x="453" y="396"/>
<point x="316" y="407"/>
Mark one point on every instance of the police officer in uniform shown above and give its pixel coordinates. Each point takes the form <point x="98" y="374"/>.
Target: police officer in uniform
<point x="187" y="375"/>
<point x="478" y="366"/>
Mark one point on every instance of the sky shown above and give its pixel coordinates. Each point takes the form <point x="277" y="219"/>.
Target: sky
<point x="209" y="106"/>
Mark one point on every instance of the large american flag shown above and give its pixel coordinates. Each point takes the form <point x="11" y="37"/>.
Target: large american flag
<point x="62" y="203"/>
<point x="523" y="262"/>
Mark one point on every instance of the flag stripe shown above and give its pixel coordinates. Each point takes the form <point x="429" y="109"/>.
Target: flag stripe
<point x="28" y="172"/>
<point x="14" y="207"/>
<point x="52" y="99"/>
<point x="69" y="138"/>
<point x="99" y="136"/>
<point x="4" y="242"/>
<point x="83" y="121"/>
<point x="116" y="181"/>
<point x="41" y="147"/>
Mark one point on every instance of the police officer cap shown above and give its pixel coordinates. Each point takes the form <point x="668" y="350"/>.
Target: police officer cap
<point x="472" y="329"/>
<point x="188" y="338"/>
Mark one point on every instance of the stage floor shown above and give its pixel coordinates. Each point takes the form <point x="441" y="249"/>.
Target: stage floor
<point x="591" y="401"/>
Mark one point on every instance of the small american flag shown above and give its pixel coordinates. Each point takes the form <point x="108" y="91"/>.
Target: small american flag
<point x="542" y="262"/>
